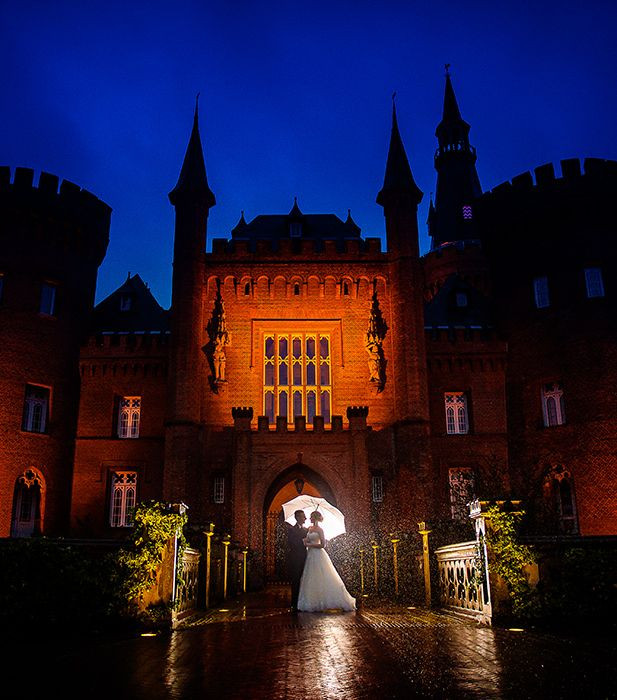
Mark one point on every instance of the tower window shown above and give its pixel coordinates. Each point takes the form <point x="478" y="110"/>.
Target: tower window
<point x="377" y="488"/>
<point x="297" y="376"/>
<point x="129" y="416"/>
<point x="462" y="492"/>
<point x="345" y="289"/>
<point x="247" y="289"/>
<point x="467" y="212"/>
<point x="123" y="498"/>
<point x="594" y="282"/>
<point x="125" y="302"/>
<point x="219" y="489"/>
<point x="540" y="290"/>
<point x="461" y="299"/>
<point x="36" y="409"/>
<point x="457" y="422"/>
<point x="553" y="405"/>
<point x="48" y="299"/>
<point x="296" y="290"/>
<point x="295" y="229"/>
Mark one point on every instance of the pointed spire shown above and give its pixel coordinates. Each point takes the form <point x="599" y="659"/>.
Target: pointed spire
<point x="351" y="224"/>
<point x="452" y="129"/>
<point x="398" y="178"/>
<point x="451" y="112"/>
<point x="240" y="227"/>
<point x="193" y="183"/>
<point x="295" y="212"/>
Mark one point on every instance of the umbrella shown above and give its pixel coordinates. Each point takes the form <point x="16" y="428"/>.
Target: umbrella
<point x="333" y="523"/>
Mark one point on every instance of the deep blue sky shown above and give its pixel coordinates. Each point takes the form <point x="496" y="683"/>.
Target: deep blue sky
<point x="295" y="100"/>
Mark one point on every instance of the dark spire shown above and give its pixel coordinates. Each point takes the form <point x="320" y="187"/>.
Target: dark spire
<point x="192" y="184"/>
<point x="452" y="216"/>
<point x="241" y="226"/>
<point x="295" y="212"/>
<point x="398" y="178"/>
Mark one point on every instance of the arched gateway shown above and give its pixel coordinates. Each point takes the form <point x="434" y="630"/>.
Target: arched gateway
<point x="296" y="479"/>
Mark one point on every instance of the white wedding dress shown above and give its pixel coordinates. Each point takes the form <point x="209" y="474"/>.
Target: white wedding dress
<point x="321" y="588"/>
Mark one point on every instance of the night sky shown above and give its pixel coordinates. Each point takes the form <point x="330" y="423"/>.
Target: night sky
<point x="295" y="101"/>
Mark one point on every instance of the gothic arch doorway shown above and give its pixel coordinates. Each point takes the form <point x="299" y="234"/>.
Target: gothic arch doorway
<point x="27" y="504"/>
<point x="297" y="479"/>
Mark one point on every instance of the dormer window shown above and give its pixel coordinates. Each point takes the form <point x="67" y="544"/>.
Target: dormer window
<point x="125" y="302"/>
<point x="295" y="229"/>
<point x="467" y="213"/>
<point x="461" y="299"/>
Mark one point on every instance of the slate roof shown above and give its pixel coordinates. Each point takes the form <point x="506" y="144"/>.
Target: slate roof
<point x="131" y="308"/>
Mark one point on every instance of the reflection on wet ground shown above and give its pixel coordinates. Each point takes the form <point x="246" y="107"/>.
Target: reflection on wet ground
<point x="256" y="649"/>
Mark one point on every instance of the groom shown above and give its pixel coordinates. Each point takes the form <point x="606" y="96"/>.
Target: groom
<point x="296" y="555"/>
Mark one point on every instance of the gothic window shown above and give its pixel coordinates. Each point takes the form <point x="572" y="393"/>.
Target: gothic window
<point x="457" y="422"/>
<point x="467" y="212"/>
<point x="540" y="290"/>
<point x="123" y="498"/>
<point x="297" y="379"/>
<point x="26" y="520"/>
<point x="377" y="488"/>
<point x="559" y="492"/>
<point x="219" y="489"/>
<point x="594" y="282"/>
<point x="462" y="492"/>
<point x="553" y="408"/>
<point x="36" y="409"/>
<point x="48" y="299"/>
<point x="129" y="415"/>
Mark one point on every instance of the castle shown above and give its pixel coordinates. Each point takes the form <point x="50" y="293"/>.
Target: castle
<point x="301" y="357"/>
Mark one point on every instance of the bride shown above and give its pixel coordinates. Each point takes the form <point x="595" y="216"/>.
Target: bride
<point x="321" y="588"/>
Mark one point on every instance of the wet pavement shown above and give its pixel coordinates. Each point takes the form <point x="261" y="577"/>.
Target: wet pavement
<point x="255" y="648"/>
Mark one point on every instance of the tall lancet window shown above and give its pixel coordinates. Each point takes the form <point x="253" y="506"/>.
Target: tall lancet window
<point x="297" y="376"/>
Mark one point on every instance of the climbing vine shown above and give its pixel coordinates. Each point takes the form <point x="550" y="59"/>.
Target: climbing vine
<point x="508" y="557"/>
<point x="137" y="564"/>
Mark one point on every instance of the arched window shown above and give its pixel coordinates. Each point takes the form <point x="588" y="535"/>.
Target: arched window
<point x="123" y="498"/>
<point x="559" y="492"/>
<point x="296" y="289"/>
<point x="553" y="406"/>
<point x="247" y="289"/>
<point x="456" y="413"/>
<point x="27" y="498"/>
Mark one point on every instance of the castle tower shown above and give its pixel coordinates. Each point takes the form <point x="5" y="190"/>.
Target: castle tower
<point x="192" y="200"/>
<point x="457" y="180"/>
<point x="52" y="241"/>
<point x="399" y="198"/>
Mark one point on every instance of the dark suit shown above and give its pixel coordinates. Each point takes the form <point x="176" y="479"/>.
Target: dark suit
<point x="296" y="556"/>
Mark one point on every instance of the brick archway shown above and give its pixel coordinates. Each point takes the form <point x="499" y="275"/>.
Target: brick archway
<point x="297" y="479"/>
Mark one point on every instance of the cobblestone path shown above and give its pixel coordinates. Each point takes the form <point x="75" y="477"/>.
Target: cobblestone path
<point x="256" y="649"/>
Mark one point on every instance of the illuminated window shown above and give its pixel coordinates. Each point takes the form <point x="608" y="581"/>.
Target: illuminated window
<point x="467" y="213"/>
<point x="219" y="489"/>
<point x="462" y="492"/>
<point x="129" y="415"/>
<point x="594" y="282"/>
<point x="297" y="377"/>
<point x="123" y="498"/>
<point x="48" y="299"/>
<point x="36" y="409"/>
<point x="456" y="413"/>
<point x="377" y="488"/>
<point x="540" y="290"/>
<point x="553" y="407"/>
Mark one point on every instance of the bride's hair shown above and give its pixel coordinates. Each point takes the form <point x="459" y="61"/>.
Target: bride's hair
<point x="316" y="516"/>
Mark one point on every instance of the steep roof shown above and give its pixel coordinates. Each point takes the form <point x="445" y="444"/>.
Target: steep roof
<point x="442" y="310"/>
<point x="131" y="308"/>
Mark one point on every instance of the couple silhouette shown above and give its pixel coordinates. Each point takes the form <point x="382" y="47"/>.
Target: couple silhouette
<point x="315" y="583"/>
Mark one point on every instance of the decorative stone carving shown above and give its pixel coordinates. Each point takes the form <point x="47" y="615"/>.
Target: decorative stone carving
<point x="220" y="337"/>
<point x="375" y="334"/>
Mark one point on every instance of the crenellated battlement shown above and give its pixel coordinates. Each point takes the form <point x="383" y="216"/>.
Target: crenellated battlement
<point x="224" y="249"/>
<point x="573" y="173"/>
<point x="62" y="207"/>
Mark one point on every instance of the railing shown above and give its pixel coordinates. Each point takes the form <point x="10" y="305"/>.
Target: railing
<point x="462" y="580"/>
<point x="187" y="584"/>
